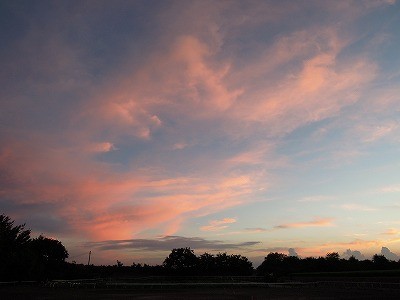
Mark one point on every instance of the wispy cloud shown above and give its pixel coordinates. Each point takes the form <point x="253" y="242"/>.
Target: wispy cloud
<point x="217" y="225"/>
<point x="317" y="222"/>
<point x="395" y="188"/>
<point x="168" y="243"/>
<point x="138" y="201"/>
<point x="358" y="243"/>
<point x="357" y="207"/>
<point x="391" y="231"/>
<point x="101" y="147"/>
<point x="256" y="230"/>
<point x="179" y="146"/>
<point x="316" y="198"/>
<point x="324" y="248"/>
<point x="374" y="133"/>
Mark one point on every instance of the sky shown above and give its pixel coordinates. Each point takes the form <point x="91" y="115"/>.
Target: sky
<point x="129" y="128"/>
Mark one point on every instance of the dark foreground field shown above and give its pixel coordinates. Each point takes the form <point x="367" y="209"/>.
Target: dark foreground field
<point x="23" y="292"/>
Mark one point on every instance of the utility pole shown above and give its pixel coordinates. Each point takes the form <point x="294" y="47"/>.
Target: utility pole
<point x="88" y="263"/>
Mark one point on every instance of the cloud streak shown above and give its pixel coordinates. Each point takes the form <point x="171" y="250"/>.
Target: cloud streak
<point x="317" y="222"/>
<point x="168" y="243"/>
<point x="217" y="225"/>
<point x="357" y="207"/>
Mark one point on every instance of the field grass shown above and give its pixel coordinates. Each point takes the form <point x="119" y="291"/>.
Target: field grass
<point x="204" y="292"/>
<point x="369" y="273"/>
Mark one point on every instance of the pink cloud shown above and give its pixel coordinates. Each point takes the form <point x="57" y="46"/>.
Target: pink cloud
<point x="317" y="86"/>
<point x="391" y="231"/>
<point x="187" y="80"/>
<point x="217" y="225"/>
<point x="99" y="203"/>
<point x="357" y="207"/>
<point x="317" y="222"/>
<point x="316" y="250"/>
<point x="370" y="133"/>
<point x="101" y="147"/>
<point x="255" y="230"/>
<point x="127" y="216"/>
<point x="356" y="243"/>
<point x="179" y="146"/>
<point x="391" y="188"/>
<point x="316" y="198"/>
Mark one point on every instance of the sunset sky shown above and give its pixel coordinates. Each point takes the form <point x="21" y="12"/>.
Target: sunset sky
<point x="130" y="128"/>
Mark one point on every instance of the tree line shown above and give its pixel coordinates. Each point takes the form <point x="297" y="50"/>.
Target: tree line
<point x="25" y="258"/>
<point x="278" y="264"/>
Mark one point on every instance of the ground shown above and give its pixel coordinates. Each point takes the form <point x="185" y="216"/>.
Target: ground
<point x="23" y="292"/>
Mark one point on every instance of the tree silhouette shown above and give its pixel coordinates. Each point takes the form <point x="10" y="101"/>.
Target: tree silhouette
<point x="332" y="256"/>
<point x="380" y="261"/>
<point x="233" y="264"/>
<point x="14" y="242"/>
<point x="49" y="250"/>
<point x="12" y="236"/>
<point x="23" y="258"/>
<point x="207" y="264"/>
<point x="332" y="261"/>
<point x="47" y="257"/>
<point x="181" y="260"/>
<point x="273" y="264"/>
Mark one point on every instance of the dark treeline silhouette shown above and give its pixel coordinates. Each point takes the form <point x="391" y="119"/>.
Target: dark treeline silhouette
<point x="42" y="258"/>
<point x="183" y="261"/>
<point x="278" y="264"/>
<point x="180" y="262"/>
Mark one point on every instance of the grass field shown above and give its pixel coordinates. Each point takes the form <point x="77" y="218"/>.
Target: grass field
<point x="231" y="292"/>
<point x="368" y="273"/>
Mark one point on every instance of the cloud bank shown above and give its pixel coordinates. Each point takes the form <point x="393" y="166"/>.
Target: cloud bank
<point x="168" y="243"/>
